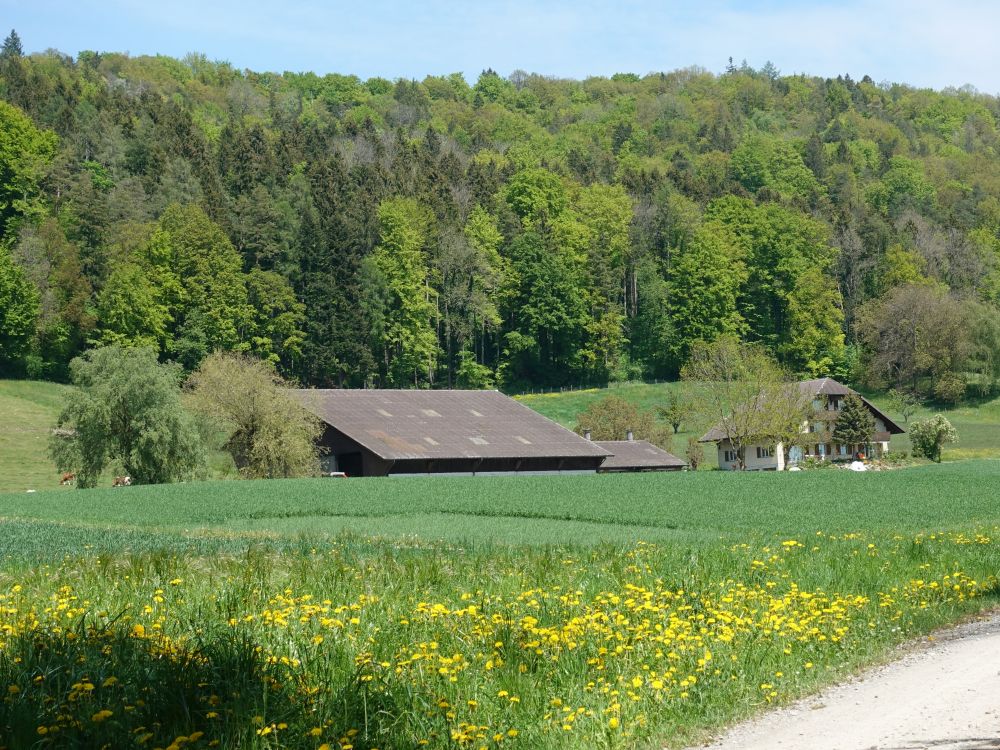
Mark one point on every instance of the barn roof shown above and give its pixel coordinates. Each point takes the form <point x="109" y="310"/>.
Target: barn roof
<point x="636" y="455"/>
<point x="408" y="424"/>
<point x="812" y="389"/>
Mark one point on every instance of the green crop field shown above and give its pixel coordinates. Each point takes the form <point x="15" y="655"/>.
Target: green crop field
<point x="608" y="611"/>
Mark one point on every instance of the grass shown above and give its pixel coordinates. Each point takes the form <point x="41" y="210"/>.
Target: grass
<point x="28" y="411"/>
<point x="716" y="502"/>
<point x="615" y="611"/>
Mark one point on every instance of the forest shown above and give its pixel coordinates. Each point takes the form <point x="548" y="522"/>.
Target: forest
<point x="513" y="232"/>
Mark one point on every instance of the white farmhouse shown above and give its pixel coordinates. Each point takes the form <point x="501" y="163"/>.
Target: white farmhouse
<point x="827" y="397"/>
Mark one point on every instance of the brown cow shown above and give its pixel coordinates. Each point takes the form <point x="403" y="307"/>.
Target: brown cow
<point x="121" y="482"/>
<point x="68" y="478"/>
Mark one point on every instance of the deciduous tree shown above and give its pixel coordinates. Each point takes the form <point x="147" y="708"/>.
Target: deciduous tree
<point x="612" y="417"/>
<point x="741" y="390"/>
<point x="18" y="310"/>
<point x="267" y="432"/>
<point x="126" y="410"/>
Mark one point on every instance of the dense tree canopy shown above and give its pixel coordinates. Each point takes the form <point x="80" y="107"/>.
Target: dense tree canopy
<point x="125" y="412"/>
<point x="517" y="231"/>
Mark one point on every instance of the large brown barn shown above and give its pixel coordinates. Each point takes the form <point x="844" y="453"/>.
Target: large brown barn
<point x="400" y="432"/>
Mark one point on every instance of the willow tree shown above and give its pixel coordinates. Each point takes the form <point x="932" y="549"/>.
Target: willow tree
<point x="126" y="411"/>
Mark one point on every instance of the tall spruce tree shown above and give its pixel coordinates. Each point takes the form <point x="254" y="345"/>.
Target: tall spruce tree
<point x="11" y="46"/>
<point x="855" y="424"/>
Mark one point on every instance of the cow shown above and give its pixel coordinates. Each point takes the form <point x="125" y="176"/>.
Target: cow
<point x="68" y="478"/>
<point x="121" y="482"/>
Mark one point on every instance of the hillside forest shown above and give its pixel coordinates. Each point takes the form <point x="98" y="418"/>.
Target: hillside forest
<point x="514" y="231"/>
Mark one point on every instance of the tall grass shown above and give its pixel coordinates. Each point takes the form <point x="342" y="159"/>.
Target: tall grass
<point x="361" y="644"/>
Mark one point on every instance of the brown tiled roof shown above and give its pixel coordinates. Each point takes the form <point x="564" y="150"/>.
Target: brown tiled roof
<point x="406" y="424"/>
<point x="636" y="454"/>
<point x="824" y="387"/>
<point x="819" y="387"/>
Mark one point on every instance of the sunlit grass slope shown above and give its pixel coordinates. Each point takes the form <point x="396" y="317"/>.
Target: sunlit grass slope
<point x="28" y="411"/>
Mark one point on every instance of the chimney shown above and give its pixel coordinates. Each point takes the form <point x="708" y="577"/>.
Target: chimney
<point x="628" y="435"/>
<point x="586" y="434"/>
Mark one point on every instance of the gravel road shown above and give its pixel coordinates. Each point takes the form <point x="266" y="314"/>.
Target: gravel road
<point x="942" y="694"/>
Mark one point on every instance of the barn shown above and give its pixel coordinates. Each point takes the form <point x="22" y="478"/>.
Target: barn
<point x="409" y="432"/>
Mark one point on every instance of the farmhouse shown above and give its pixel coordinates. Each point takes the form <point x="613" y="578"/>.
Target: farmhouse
<point x="827" y="399"/>
<point x="407" y="432"/>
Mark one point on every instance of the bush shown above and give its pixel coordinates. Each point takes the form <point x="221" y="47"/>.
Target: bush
<point x="949" y="389"/>
<point x="695" y="453"/>
<point x="928" y="436"/>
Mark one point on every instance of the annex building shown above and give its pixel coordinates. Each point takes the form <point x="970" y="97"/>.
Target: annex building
<point x="409" y="432"/>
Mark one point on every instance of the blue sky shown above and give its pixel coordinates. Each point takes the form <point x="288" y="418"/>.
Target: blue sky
<point x="919" y="42"/>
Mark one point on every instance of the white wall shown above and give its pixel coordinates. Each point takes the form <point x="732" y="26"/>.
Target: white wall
<point x="777" y="461"/>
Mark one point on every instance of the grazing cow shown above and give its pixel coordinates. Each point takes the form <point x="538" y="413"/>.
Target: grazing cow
<point x="68" y="478"/>
<point x="121" y="482"/>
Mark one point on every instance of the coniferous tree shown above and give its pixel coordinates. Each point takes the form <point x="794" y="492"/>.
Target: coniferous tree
<point x="11" y="46"/>
<point x="855" y="423"/>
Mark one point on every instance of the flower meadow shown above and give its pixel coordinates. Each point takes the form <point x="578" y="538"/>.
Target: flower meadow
<point x="358" y="643"/>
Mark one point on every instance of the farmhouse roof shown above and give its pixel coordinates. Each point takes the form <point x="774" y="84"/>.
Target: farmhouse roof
<point x="408" y="424"/>
<point x="636" y="455"/>
<point x="812" y="389"/>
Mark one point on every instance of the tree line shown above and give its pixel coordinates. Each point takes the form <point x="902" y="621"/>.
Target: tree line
<point x="518" y="231"/>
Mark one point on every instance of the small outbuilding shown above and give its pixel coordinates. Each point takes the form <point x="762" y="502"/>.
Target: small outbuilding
<point x="637" y="455"/>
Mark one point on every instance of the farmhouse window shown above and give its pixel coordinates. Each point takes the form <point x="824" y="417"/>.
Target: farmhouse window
<point x="765" y="452"/>
<point x="730" y="456"/>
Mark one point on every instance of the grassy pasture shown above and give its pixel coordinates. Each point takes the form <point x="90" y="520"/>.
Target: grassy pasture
<point x="28" y="411"/>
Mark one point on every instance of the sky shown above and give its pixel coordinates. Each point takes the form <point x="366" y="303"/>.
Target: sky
<point x="927" y="44"/>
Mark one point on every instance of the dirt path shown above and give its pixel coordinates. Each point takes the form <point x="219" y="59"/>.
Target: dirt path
<point x="943" y="694"/>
